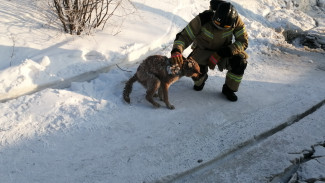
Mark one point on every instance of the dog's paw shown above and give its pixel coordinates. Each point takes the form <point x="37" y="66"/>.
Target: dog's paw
<point x="171" y="107"/>
<point x="127" y="100"/>
<point x="156" y="105"/>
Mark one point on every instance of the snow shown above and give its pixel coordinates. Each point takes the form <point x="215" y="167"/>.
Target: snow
<point x="62" y="116"/>
<point x="313" y="169"/>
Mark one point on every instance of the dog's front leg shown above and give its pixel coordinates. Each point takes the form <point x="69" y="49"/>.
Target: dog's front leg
<point x="165" y="88"/>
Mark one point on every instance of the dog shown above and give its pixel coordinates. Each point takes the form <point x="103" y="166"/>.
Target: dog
<point x="157" y="73"/>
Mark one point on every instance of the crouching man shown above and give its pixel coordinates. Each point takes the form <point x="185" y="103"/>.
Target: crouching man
<point x="212" y="33"/>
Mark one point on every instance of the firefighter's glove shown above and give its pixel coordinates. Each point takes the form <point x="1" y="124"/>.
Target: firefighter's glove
<point x="225" y="52"/>
<point x="177" y="58"/>
<point x="176" y="62"/>
<point x="213" y="60"/>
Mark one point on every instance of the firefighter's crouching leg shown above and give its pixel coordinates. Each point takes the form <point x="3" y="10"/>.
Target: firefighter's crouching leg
<point x="238" y="64"/>
<point x="233" y="81"/>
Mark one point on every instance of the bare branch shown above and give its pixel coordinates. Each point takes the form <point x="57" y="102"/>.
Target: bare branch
<point x="78" y="15"/>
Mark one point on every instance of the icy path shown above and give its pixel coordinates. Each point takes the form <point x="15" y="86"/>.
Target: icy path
<point x="273" y="157"/>
<point x="86" y="133"/>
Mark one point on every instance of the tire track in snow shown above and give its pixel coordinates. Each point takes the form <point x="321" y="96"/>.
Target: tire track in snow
<point x="223" y="158"/>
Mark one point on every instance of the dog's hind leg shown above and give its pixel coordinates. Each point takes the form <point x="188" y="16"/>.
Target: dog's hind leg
<point x="152" y="86"/>
<point x="156" y="95"/>
<point x="160" y="93"/>
<point x="165" y="88"/>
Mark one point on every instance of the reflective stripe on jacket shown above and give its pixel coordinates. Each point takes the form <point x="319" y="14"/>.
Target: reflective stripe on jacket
<point x="206" y="38"/>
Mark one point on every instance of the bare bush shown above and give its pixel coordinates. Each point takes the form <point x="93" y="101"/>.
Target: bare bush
<point x="77" y="16"/>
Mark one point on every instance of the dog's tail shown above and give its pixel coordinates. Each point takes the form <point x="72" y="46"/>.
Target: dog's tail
<point x="128" y="88"/>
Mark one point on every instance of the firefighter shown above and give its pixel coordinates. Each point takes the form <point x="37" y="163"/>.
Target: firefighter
<point x="211" y="34"/>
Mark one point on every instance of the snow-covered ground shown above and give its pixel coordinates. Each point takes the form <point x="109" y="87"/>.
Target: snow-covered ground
<point x="62" y="116"/>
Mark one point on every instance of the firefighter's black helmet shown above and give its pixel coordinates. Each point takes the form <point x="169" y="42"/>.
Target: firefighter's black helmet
<point x="225" y="15"/>
<point x="214" y="4"/>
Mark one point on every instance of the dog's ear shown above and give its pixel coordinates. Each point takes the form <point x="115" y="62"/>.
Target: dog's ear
<point x="197" y="69"/>
<point x="196" y="66"/>
<point x="190" y="64"/>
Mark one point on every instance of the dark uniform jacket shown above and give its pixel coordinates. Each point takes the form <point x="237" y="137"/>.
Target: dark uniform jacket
<point x="206" y="38"/>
